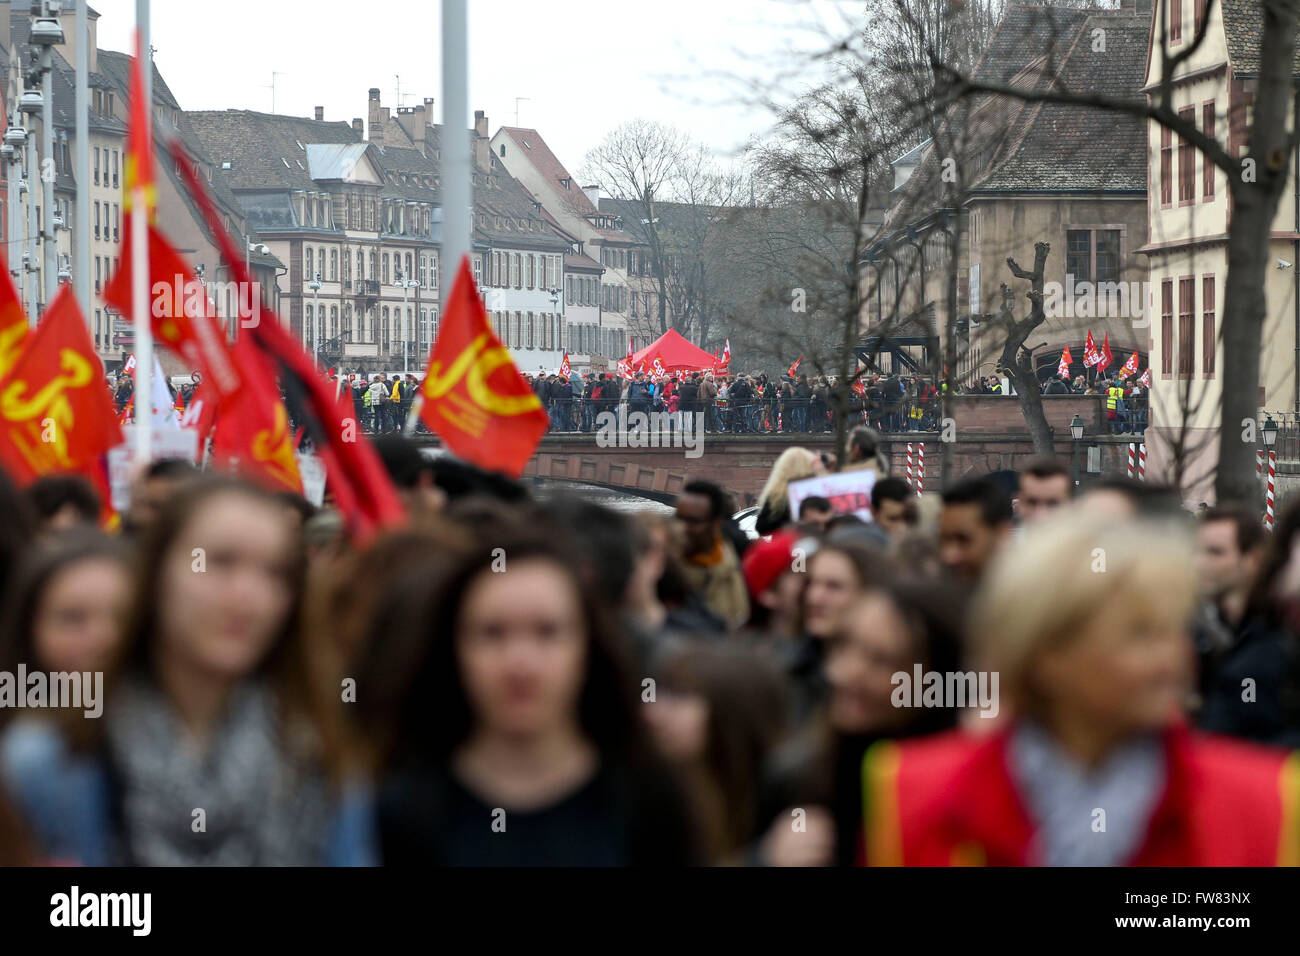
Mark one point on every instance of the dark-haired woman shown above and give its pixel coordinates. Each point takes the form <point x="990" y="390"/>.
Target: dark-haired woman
<point x="220" y="743"/>
<point x="523" y="744"/>
<point x="65" y="612"/>
<point x="886" y="631"/>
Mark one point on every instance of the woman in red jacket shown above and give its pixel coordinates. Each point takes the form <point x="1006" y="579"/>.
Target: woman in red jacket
<point x="1091" y="763"/>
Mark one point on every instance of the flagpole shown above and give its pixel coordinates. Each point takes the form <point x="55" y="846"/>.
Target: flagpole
<point x="81" y="237"/>
<point x="457" y="194"/>
<point x="140" y="263"/>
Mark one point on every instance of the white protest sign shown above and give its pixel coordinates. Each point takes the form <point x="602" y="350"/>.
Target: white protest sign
<point x="167" y="442"/>
<point x="849" y="492"/>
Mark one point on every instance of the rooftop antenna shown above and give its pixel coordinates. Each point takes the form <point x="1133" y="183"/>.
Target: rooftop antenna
<point x="518" y="100"/>
<point x="399" y="90"/>
<point x="274" y="74"/>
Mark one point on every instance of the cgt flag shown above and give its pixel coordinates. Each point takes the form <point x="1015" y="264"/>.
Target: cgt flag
<point x="1130" y="367"/>
<point x="1091" y="354"/>
<point x="55" y="413"/>
<point x="565" y="368"/>
<point x="474" y="396"/>
<point x="1063" y="369"/>
<point x="1107" y="358"/>
<point x="793" y="368"/>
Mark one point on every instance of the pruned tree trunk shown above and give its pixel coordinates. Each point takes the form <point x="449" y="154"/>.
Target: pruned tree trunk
<point x="1017" y="360"/>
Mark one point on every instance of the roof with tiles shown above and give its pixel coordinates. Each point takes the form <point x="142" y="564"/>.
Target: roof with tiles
<point x="266" y="151"/>
<point x="1013" y="145"/>
<point x="1243" y="25"/>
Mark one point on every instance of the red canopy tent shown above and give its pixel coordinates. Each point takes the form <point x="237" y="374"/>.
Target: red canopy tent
<point x="676" y="353"/>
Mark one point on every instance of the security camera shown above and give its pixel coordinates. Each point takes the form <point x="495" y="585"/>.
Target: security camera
<point x="1283" y="264"/>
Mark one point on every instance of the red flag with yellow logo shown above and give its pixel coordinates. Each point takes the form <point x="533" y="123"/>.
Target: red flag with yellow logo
<point x="55" y="411"/>
<point x="252" y="427"/>
<point x="182" y="317"/>
<point x="474" y="396"/>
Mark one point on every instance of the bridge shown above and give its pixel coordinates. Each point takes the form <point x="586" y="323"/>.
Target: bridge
<point x="985" y="440"/>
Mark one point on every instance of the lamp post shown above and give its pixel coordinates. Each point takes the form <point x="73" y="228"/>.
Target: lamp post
<point x="47" y="33"/>
<point x="314" y="285"/>
<point x="1269" y="431"/>
<point x="1076" y="433"/>
<point x="407" y="285"/>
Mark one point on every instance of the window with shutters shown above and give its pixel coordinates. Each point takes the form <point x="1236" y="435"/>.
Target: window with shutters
<point x="1186" y="162"/>
<point x="1167" y="327"/>
<point x="1208" y="169"/>
<point x="1209" y="334"/>
<point x="1166" y="166"/>
<point x="1186" y="329"/>
<point x="1175" y="22"/>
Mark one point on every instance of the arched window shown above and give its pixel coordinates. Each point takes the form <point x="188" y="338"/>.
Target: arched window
<point x="385" y="332"/>
<point x="311" y="271"/>
<point x="334" y="265"/>
<point x="374" y="265"/>
<point x="361" y="265"/>
<point x="386" y="268"/>
<point x="334" y="321"/>
<point x="347" y="314"/>
<point x="531" y="331"/>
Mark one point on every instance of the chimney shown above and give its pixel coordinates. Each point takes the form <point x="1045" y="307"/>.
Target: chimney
<point x="320" y="113"/>
<point x="482" y="144"/>
<point x="376" y="118"/>
<point x="593" y="194"/>
<point x="358" y="127"/>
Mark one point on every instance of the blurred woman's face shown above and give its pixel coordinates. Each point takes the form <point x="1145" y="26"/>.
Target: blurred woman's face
<point x="224" y="590"/>
<point x="832" y="585"/>
<point x="860" y="665"/>
<point x="79" y="618"/>
<point x="1127" y="673"/>
<point x="522" y="647"/>
<point x="680" y="724"/>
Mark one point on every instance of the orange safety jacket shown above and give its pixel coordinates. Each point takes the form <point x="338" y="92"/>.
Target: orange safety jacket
<point x="950" y="800"/>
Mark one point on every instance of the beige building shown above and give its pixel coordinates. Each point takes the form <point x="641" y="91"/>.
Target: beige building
<point x="1189" y="210"/>
<point x="1023" y="172"/>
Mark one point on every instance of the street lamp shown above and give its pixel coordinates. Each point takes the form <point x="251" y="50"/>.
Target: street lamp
<point x="314" y="285"/>
<point x="1076" y="433"/>
<point x="1269" y="431"/>
<point x="407" y="285"/>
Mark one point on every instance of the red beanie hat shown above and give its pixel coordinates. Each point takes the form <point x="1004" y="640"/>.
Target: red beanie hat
<point x="766" y="560"/>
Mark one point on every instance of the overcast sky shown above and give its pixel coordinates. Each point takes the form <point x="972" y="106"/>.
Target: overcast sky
<point x="584" y="66"/>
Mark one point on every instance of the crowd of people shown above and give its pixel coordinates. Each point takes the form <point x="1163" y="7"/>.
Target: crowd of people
<point x="525" y="678"/>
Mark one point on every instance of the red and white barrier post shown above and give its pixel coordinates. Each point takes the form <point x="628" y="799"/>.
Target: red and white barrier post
<point x="1272" y="481"/>
<point x="1142" y="462"/>
<point x="909" y="463"/>
<point x="920" y="470"/>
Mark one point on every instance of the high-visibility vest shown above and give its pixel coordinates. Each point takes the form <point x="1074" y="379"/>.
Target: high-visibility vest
<point x="1113" y="395"/>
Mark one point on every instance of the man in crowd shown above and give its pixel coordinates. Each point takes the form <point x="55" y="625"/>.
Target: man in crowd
<point x="1044" y="487"/>
<point x="976" y="519"/>
<point x="708" y="392"/>
<point x="893" y="505"/>
<point x="816" y="512"/>
<point x="709" y="564"/>
<point x="378" y="395"/>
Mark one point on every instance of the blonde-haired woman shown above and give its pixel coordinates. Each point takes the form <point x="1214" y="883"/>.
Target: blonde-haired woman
<point x="1094" y="765"/>
<point x="794" y="464"/>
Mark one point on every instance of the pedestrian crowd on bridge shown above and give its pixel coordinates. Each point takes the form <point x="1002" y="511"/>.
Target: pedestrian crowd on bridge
<point x="526" y="678"/>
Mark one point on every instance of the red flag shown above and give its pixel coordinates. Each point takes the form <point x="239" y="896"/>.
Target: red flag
<point x="139" y="139"/>
<point x="565" y="368"/>
<point x="790" y="372"/>
<point x="1145" y="379"/>
<point x="183" y="317"/>
<point x="55" y="413"/>
<point x="1091" y="355"/>
<point x="1130" y="367"/>
<point x="1107" y="357"/>
<point x="1063" y="369"/>
<point x="657" y="366"/>
<point x="474" y="396"/>
<point x="252" y="433"/>
<point x="14" y="327"/>
<point x="201" y="413"/>
<point x="362" y="488"/>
